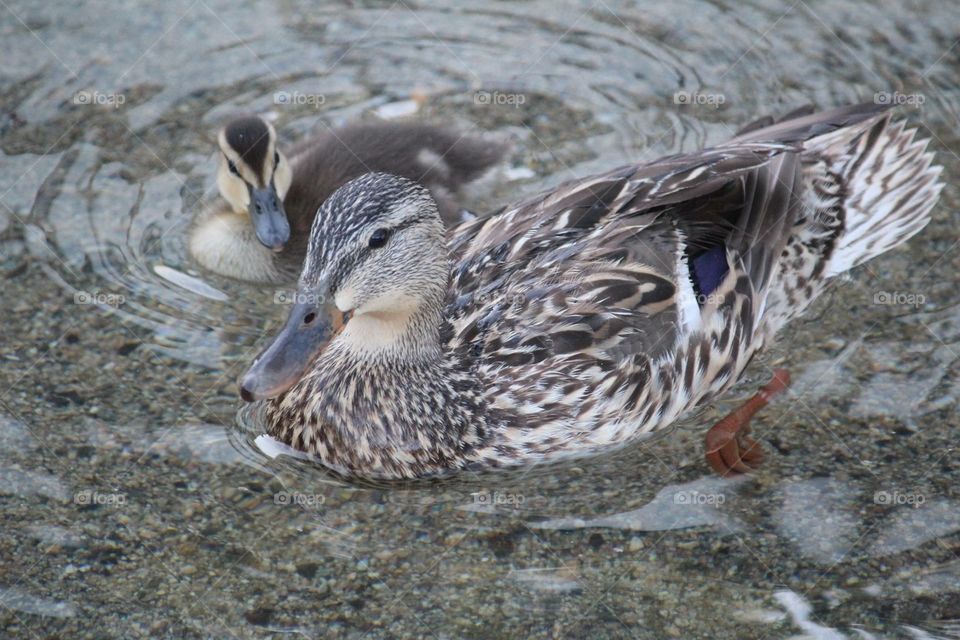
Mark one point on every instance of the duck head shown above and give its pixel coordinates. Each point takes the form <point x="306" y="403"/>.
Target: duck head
<point x="372" y="286"/>
<point x="254" y="177"/>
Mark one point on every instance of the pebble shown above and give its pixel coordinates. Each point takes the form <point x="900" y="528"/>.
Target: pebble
<point x="455" y="538"/>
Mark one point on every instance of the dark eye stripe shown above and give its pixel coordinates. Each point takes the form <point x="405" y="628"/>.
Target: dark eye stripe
<point x="354" y="261"/>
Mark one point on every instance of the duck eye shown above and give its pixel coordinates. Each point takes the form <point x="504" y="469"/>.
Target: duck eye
<point x="309" y="318"/>
<point x="379" y="238"/>
<point x="233" y="168"/>
<point x="276" y="159"/>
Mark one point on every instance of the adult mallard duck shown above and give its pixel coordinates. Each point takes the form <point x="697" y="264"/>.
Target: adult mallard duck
<point x="258" y="231"/>
<point x="583" y="318"/>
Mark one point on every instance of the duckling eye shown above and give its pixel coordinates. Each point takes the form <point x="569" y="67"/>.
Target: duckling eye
<point x="379" y="238"/>
<point x="233" y="168"/>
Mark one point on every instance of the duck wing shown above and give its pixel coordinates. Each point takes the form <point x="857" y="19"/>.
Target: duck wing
<point x="590" y="286"/>
<point x="620" y="301"/>
<point x="680" y="219"/>
<point x="613" y="266"/>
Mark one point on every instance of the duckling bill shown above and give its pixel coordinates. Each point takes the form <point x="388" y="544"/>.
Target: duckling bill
<point x="258" y="231"/>
<point x="255" y="177"/>
<point x="587" y="317"/>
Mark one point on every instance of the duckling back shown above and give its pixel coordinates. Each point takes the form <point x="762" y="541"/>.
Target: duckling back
<point x="442" y="160"/>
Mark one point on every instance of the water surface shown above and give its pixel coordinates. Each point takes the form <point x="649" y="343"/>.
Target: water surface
<point x="136" y="503"/>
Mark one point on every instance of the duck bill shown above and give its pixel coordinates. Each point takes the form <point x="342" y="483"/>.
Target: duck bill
<point x="269" y="219"/>
<point x="308" y="330"/>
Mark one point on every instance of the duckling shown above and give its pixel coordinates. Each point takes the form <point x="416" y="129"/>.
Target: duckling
<point x="582" y="319"/>
<point x="258" y="231"/>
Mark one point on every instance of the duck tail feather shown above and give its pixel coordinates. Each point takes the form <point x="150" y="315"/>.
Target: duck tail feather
<point x="800" y="124"/>
<point x="769" y="121"/>
<point x="890" y="185"/>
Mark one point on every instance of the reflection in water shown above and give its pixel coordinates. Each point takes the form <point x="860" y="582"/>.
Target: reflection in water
<point x="26" y="484"/>
<point x="558" y="580"/>
<point x="915" y="524"/>
<point x="25" y="602"/>
<point x="120" y="355"/>
<point x="818" y="516"/>
<point x="692" y="504"/>
<point x="53" y="535"/>
<point x="16" y="441"/>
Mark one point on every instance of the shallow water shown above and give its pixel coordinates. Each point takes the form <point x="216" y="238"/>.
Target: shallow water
<point x="135" y="502"/>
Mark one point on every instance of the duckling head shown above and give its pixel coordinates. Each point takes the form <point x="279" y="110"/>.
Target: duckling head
<point x="372" y="286"/>
<point x="254" y="177"/>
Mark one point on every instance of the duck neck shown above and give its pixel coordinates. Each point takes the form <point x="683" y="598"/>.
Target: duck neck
<point x="391" y="400"/>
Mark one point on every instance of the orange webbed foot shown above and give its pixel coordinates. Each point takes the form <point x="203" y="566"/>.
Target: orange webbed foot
<point x="729" y="449"/>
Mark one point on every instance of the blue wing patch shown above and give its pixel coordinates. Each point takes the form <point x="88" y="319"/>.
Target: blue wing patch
<point x="708" y="269"/>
